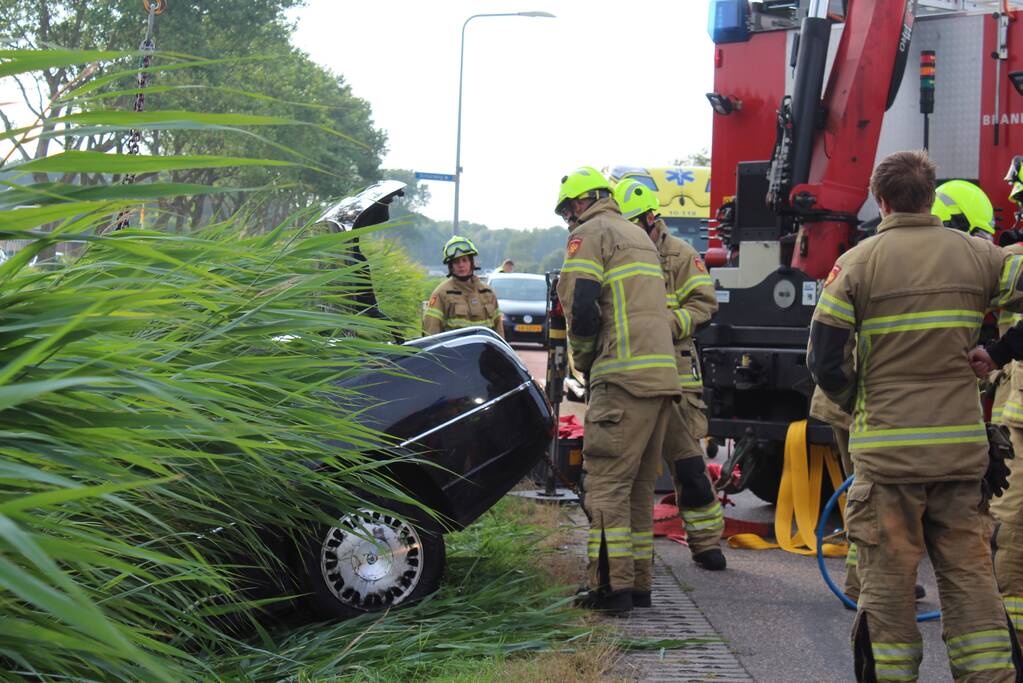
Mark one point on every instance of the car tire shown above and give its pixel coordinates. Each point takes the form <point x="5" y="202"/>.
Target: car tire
<point x="348" y="575"/>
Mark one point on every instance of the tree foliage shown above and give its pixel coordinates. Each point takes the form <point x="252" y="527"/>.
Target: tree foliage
<point x="245" y="45"/>
<point x="699" y="158"/>
<point x="534" y="251"/>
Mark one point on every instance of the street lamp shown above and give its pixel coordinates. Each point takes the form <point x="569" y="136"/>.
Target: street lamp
<point x="461" y="67"/>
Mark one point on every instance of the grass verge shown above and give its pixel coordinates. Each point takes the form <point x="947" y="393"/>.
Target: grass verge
<point x="503" y="613"/>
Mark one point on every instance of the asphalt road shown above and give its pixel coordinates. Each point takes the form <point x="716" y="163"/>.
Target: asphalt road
<point x="773" y="607"/>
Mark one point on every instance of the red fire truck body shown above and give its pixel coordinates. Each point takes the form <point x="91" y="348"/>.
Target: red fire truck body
<point x="791" y="190"/>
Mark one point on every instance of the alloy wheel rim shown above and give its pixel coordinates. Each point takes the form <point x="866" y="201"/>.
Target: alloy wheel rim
<point x="371" y="560"/>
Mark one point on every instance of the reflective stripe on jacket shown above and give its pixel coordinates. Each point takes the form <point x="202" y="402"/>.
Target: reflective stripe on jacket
<point x="1008" y="404"/>
<point x="908" y="303"/>
<point x="612" y="290"/>
<point x="462" y="303"/>
<point x="691" y="300"/>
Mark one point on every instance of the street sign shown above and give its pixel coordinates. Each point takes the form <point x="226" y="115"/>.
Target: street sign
<point x="447" y="177"/>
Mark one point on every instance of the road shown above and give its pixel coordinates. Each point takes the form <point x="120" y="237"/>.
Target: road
<point x="773" y="607"/>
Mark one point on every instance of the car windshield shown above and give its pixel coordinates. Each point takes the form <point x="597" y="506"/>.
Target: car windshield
<point x="522" y="289"/>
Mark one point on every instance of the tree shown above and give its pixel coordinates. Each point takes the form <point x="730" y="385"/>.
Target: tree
<point x="417" y="195"/>
<point x="700" y="158"/>
<point x="256" y="34"/>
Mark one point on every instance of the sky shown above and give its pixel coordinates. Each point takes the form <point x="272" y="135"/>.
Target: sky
<point x="602" y="84"/>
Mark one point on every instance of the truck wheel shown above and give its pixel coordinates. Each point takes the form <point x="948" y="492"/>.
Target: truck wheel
<point x="370" y="561"/>
<point x="765" y="473"/>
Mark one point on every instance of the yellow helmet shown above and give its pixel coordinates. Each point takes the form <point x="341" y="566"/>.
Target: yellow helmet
<point x="1013" y="178"/>
<point x="579" y="183"/>
<point x="634" y="198"/>
<point x="964" y="206"/>
<point x="459" y="246"/>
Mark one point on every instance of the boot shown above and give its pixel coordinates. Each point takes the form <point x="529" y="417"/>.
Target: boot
<point x="713" y="559"/>
<point x="641" y="599"/>
<point x="613" y="603"/>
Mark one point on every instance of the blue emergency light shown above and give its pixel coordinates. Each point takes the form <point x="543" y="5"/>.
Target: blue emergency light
<point x="728" y="21"/>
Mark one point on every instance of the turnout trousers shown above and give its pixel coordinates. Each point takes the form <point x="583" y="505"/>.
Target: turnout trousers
<point x="697" y="502"/>
<point x="1008" y="510"/>
<point x="621" y="451"/>
<point x="892" y="526"/>
<point x="852" y="576"/>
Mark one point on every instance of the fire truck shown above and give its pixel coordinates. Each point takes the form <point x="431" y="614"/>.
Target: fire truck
<point x="808" y="95"/>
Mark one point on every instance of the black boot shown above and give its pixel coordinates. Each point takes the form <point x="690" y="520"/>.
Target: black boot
<point x="641" y="599"/>
<point x="712" y="559"/>
<point x="613" y="603"/>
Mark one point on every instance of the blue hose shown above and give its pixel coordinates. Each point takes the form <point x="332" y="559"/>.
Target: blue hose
<point x="828" y="509"/>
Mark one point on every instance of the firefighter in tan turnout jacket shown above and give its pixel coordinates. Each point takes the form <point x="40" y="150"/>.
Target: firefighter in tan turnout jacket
<point x="691" y="301"/>
<point x="1008" y="509"/>
<point x="619" y="336"/>
<point x="462" y="300"/>
<point x="1008" y="410"/>
<point x="909" y="304"/>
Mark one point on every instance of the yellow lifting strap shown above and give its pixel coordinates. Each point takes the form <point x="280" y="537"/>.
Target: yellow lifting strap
<point x="799" y="496"/>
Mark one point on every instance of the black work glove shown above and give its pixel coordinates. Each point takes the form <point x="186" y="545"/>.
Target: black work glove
<point x="996" y="478"/>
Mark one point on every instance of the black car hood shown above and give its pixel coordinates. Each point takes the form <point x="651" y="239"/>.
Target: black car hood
<point x="519" y="307"/>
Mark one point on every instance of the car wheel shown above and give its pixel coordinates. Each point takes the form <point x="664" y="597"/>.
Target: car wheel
<point x="370" y="561"/>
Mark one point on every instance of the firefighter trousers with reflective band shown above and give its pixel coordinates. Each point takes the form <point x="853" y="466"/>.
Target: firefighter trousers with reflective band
<point x="852" y="577"/>
<point x="621" y="451"/>
<point x="892" y="526"/>
<point x="1008" y="510"/>
<point x="694" y="490"/>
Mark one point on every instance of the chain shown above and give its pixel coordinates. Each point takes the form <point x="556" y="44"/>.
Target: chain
<point x="147" y="47"/>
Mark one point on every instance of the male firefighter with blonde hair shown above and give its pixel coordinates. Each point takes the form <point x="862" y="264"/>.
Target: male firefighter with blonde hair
<point x="619" y="336"/>
<point x="908" y="303"/>
<point x="691" y="301"/>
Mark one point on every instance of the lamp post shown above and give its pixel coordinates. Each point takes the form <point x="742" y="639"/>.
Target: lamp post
<point x="461" y="69"/>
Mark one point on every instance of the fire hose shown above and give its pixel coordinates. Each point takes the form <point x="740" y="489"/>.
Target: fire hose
<point x="828" y="509"/>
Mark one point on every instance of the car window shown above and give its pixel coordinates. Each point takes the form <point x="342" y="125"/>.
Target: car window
<point x="523" y="289"/>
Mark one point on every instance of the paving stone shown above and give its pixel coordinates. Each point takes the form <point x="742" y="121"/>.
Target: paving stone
<point x="673" y="615"/>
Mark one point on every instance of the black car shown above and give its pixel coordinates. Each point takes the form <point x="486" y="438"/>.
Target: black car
<point x="523" y="301"/>
<point x="469" y="422"/>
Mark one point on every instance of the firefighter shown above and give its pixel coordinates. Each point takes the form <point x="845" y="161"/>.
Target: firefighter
<point x="964" y="206"/>
<point x="692" y="302"/>
<point x="824" y="409"/>
<point x="619" y="337"/>
<point x="1008" y="509"/>
<point x="1007" y="409"/>
<point x="918" y="441"/>
<point x="462" y="300"/>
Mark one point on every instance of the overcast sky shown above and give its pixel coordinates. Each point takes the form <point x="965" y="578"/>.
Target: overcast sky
<point x="601" y="84"/>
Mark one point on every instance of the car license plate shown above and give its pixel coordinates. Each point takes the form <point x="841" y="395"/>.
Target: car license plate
<point x="529" y="328"/>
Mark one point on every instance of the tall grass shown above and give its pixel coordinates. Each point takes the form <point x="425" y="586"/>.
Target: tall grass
<point x="161" y="400"/>
<point x="494" y="603"/>
<point x="156" y="390"/>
